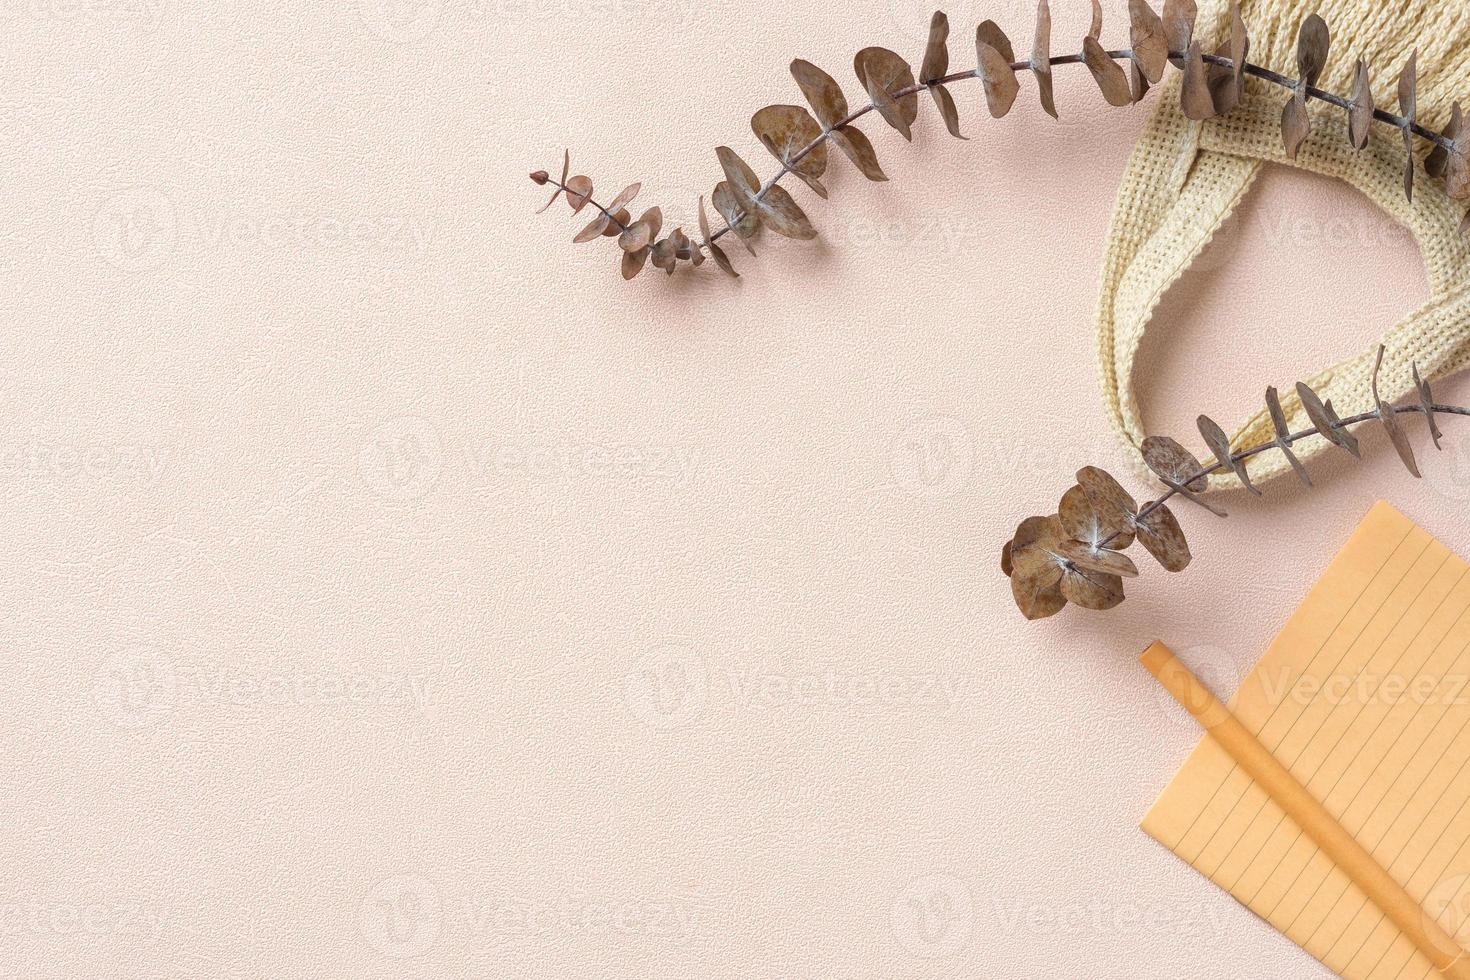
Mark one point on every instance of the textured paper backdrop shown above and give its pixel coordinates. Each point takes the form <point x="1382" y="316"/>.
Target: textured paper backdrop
<point x="390" y="590"/>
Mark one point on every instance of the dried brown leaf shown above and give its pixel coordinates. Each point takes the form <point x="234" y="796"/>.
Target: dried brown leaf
<point x="936" y="51"/>
<point x="1313" y="41"/>
<point x="1092" y="590"/>
<point x="1179" y="17"/>
<point x="1437" y="164"/>
<point x="1326" y="420"/>
<point x="595" y="229"/>
<point x="664" y="254"/>
<point x="742" y="223"/>
<point x="579" y="192"/>
<point x="1409" y="110"/>
<point x="779" y="211"/>
<point x="795" y="139"/>
<point x="641" y="233"/>
<point x="1457" y="179"/>
<point x="936" y="66"/>
<point x="1174" y="464"/>
<point x="1034" y="567"/>
<point x="1035" y="596"/>
<point x="1219" y="444"/>
<point x="989" y="32"/>
<point x="1094" y="31"/>
<point x="1163" y="538"/>
<point x="633" y="262"/>
<point x="1360" y="116"/>
<point x="621" y="219"/>
<point x="718" y="254"/>
<point x="1238" y="51"/>
<point x="1426" y="404"/>
<point x="1296" y="123"/>
<point x="684" y="248"/>
<point x="1391" y="424"/>
<point x="1000" y="82"/>
<point x="1041" y="58"/>
<point x="776" y="209"/>
<point x="1114" y="506"/>
<point x="1101" y="560"/>
<point x="566" y="167"/>
<point x="882" y="73"/>
<point x="947" y="111"/>
<point x="1194" y="95"/>
<point x="1083" y="521"/>
<point x="822" y="91"/>
<point x="1137" y="84"/>
<point x="1150" y="47"/>
<point x="1283" y="434"/>
<point x="1110" y="78"/>
<point x="851" y="141"/>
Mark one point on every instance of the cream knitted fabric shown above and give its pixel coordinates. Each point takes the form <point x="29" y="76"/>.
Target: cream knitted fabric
<point x="1185" y="178"/>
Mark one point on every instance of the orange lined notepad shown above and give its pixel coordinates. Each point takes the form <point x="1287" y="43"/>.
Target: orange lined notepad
<point x="1365" y="697"/>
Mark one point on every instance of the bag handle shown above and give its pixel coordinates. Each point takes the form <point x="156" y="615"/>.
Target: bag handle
<point x="1185" y="180"/>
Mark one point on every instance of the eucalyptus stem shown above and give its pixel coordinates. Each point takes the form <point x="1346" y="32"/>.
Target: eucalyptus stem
<point x="1225" y="466"/>
<point x="1122" y="54"/>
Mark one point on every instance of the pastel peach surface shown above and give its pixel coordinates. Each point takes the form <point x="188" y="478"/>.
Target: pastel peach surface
<point x="393" y="591"/>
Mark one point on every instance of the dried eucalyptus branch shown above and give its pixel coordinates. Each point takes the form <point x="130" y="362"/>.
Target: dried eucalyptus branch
<point x="1213" y="85"/>
<point x="1076" y="555"/>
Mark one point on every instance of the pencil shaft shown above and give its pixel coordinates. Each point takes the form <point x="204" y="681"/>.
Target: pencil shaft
<point x="1308" y="813"/>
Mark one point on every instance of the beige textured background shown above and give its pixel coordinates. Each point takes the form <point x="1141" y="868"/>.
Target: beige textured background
<point x="389" y="590"/>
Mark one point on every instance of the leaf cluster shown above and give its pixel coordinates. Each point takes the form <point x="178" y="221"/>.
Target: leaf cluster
<point x="1077" y="555"/>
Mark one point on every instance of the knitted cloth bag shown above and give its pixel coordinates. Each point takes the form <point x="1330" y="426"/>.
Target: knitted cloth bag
<point x="1185" y="178"/>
